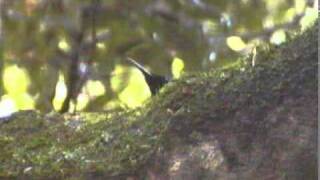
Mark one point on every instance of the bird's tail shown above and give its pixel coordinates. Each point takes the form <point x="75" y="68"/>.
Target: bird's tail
<point x="139" y="66"/>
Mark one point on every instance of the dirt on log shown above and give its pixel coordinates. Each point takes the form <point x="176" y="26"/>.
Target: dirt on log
<point x="248" y="121"/>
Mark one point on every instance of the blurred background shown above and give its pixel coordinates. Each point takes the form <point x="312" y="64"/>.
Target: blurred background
<point x="56" y="51"/>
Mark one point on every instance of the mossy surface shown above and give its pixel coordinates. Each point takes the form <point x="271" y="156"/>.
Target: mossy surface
<point x="121" y="143"/>
<point x="52" y="146"/>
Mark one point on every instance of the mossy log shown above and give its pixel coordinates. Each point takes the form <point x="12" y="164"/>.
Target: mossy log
<point x="242" y="122"/>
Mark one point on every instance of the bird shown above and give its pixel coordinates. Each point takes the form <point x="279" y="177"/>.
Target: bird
<point x="155" y="82"/>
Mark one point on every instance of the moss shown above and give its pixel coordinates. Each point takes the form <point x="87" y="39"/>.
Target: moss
<point x="107" y="145"/>
<point x="90" y="143"/>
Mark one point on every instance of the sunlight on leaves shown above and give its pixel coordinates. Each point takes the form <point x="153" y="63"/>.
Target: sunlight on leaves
<point x="235" y="43"/>
<point x="116" y="78"/>
<point x="90" y="90"/>
<point x="94" y="88"/>
<point x="299" y="6"/>
<point x="63" y="45"/>
<point x="101" y="46"/>
<point x="15" y="80"/>
<point x="82" y="101"/>
<point x="273" y="5"/>
<point x="268" y="22"/>
<point x="137" y="90"/>
<point x="289" y="15"/>
<point x="309" y="18"/>
<point x="16" y="83"/>
<point x="23" y="101"/>
<point x="177" y="67"/>
<point x="61" y="93"/>
<point x="278" y="37"/>
<point x="7" y="106"/>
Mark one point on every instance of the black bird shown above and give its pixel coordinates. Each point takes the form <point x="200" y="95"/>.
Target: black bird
<point x="154" y="81"/>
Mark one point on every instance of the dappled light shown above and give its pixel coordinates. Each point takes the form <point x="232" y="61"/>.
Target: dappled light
<point x="16" y="84"/>
<point x="47" y="45"/>
<point x="278" y="37"/>
<point x="177" y="67"/>
<point x="163" y="89"/>
<point x="60" y="93"/>
<point x="15" y="80"/>
<point x="136" y="90"/>
<point x="236" y="43"/>
<point x="7" y="106"/>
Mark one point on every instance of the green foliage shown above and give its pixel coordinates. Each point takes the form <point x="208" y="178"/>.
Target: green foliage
<point x="39" y="36"/>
